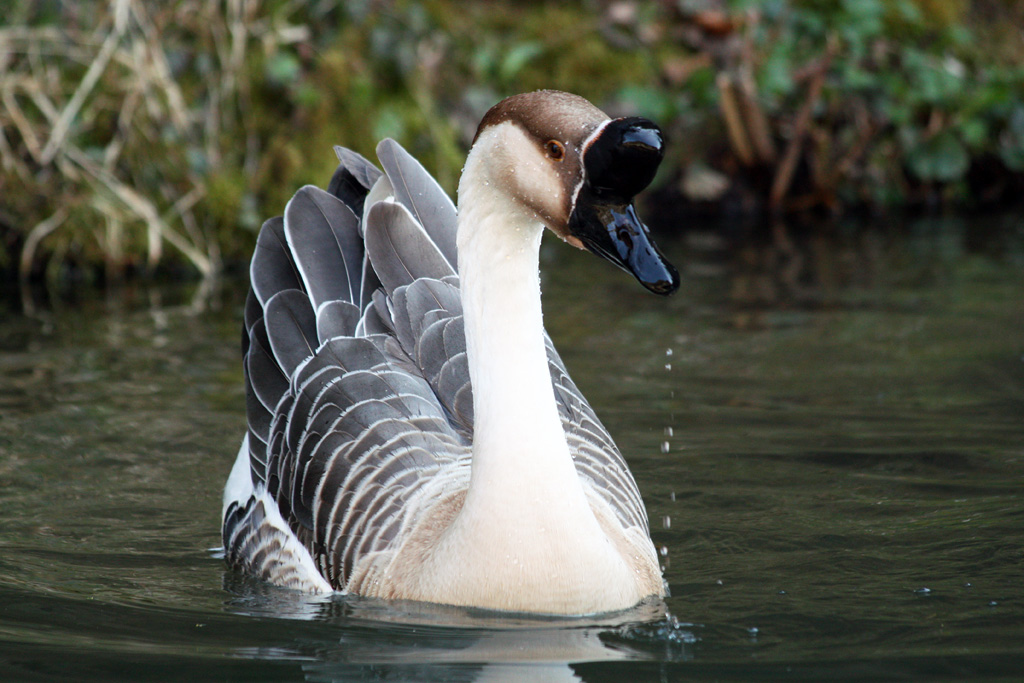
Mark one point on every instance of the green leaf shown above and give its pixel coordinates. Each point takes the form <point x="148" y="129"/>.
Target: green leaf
<point x="519" y="56"/>
<point x="909" y="12"/>
<point x="974" y="133"/>
<point x="389" y="124"/>
<point x="857" y="78"/>
<point x="776" y="75"/>
<point x="941" y="157"/>
<point x="283" y="68"/>
<point x="864" y="18"/>
<point x="484" y="60"/>
<point x="308" y="95"/>
<point x="651" y="102"/>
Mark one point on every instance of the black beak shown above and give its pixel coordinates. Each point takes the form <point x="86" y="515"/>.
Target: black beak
<point x="618" y="164"/>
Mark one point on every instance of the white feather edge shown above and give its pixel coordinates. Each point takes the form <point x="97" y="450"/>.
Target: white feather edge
<point x="239" y="489"/>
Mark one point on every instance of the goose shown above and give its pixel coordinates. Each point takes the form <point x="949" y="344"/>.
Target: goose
<point x="412" y="432"/>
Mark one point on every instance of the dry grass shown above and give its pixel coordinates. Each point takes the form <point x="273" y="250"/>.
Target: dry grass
<point x="93" y="112"/>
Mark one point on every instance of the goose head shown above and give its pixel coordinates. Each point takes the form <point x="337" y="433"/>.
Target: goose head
<point x="568" y="165"/>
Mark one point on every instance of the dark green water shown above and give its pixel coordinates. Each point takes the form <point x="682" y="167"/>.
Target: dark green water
<point x="829" y="439"/>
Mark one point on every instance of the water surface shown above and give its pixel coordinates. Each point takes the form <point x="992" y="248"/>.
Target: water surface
<point x="828" y="433"/>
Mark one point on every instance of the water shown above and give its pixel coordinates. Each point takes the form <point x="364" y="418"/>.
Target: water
<point x="829" y="439"/>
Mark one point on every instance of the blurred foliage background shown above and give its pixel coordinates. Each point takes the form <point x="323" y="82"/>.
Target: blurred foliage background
<point x="144" y="135"/>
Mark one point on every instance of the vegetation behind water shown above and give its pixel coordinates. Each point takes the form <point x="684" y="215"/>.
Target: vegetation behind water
<point x="137" y="134"/>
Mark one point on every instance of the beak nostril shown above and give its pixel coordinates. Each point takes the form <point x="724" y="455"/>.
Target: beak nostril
<point x="624" y="235"/>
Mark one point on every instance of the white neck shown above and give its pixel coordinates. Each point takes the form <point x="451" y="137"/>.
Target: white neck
<point x="520" y="458"/>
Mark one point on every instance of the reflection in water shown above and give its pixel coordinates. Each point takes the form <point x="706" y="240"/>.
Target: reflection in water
<point x="818" y="270"/>
<point x="827" y="265"/>
<point x="44" y="303"/>
<point x="421" y="640"/>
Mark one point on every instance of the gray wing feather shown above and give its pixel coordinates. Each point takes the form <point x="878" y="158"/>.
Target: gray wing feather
<point x="353" y="179"/>
<point x="373" y="322"/>
<point x="253" y="312"/>
<point x="336" y="319"/>
<point x="265" y="384"/>
<point x="291" y="328"/>
<point x="272" y="269"/>
<point x="594" y="453"/>
<point x="427" y="319"/>
<point x="323" y="236"/>
<point x="419" y="192"/>
<point x="370" y="283"/>
<point x="399" y="247"/>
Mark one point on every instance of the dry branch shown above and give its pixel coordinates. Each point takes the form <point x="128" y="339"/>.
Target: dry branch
<point x="36" y="235"/>
<point x="60" y="129"/>
<point x="787" y="166"/>
<point x="144" y="209"/>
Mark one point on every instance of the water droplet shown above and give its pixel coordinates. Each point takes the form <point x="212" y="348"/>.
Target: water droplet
<point x="668" y="352"/>
<point x="664" y="446"/>
<point x="672" y="496"/>
<point x="668" y="431"/>
<point x="663" y="550"/>
<point x="993" y="603"/>
<point x="668" y="366"/>
<point x="666" y="522"/>
<point x="719" y="582"/>
<point x="923" y="591"/>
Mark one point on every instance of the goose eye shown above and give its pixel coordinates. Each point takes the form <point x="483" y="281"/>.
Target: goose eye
<point x="555" y="149"/>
